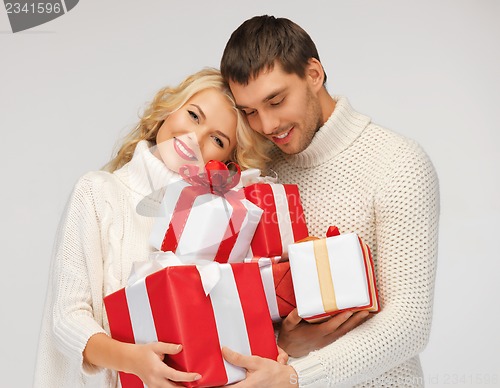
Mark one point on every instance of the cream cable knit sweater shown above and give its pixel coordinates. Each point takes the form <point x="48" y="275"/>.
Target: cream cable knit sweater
<point x="371" y="181"/>
<point x="104" y="229"/>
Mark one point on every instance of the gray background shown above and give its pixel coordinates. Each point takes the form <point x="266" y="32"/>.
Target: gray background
<point x="426" y="69"/>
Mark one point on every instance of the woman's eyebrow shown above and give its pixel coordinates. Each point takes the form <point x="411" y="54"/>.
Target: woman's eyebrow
<point x="200" y="110"/>
<point x="222" y="134"/>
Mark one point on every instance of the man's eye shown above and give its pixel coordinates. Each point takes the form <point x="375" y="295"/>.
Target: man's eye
<point x="194" y="116"/>
<point x="275" y="103"/>
<point x="248" y="113"/>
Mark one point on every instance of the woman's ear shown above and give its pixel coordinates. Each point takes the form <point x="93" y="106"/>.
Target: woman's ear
<point x="315" y="74"/>
<point x="232" y="158"/>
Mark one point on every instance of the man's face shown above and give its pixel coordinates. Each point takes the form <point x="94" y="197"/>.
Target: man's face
<point x="283" y="107"/>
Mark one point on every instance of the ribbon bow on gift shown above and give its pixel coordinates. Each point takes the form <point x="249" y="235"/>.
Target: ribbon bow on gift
<point x="217" y="177"/>
<point x="218" y="180"/>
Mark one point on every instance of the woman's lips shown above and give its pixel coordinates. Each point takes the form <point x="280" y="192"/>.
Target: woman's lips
<point x="184" y="151"/>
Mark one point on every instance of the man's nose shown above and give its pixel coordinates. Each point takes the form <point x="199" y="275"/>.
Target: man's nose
<point x="269" y="123"/>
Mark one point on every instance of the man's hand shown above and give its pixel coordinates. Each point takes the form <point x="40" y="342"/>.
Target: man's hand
<point x="298" y="337"/>
<point x="282" y="356"/>
<point x="261" y="372"/>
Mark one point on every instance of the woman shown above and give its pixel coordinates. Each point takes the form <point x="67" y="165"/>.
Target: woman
<point x="105" y="229"/>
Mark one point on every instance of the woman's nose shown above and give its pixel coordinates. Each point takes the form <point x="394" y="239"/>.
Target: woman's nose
<point x="191" y="136"/>
<point x="200" y="138"/>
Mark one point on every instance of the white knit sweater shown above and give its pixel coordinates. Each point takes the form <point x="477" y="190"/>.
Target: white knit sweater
<point x="371" y="181"/>
<point x="104" y="229"/>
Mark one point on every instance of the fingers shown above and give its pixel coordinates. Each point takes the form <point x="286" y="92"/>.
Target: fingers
<point x="356" y="319"/>
<point x="282" y="356"/>
<point x="327" y="327"/>
<point x="166" y="348"/>
<point x="291" y="321"/>
<point x="238" y="359"/>
<point x="348" y="324"/>
<point x="336" y="321"/>
<point x="175" y="375"/>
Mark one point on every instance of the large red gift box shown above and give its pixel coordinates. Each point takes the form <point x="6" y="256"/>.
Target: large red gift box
<point x="282" y="222"/>
<point x="171" y="306"/>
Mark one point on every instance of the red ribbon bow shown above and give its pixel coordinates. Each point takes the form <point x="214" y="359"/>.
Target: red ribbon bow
<point x="216" y="179"/>
<point x="216" y="176"/>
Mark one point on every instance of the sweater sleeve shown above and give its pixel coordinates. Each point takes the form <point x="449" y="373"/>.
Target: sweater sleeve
<point x="406" y="216"/>
<point x="77" y="269"/>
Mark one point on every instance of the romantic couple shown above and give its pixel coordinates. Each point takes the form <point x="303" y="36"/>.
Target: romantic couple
<point x="267" y="108"/>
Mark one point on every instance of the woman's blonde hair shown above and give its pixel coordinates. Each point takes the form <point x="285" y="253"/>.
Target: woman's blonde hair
<point x="251" y="148"/>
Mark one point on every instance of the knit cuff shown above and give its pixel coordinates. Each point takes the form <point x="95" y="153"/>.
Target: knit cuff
<point x="310" y="371"/>
<point x="72" y="336"/>
<point x="89" y="369"/>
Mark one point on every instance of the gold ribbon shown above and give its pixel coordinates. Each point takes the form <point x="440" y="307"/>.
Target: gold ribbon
<point x="371" y="280"/>
<point x="324" y="275"/>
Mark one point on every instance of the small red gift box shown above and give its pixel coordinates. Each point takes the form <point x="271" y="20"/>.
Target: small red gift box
<point x="282" y="222"/>
<point x="203" y="216"/>
<point x="278" y="286"/>
<point x="171" y="306"/>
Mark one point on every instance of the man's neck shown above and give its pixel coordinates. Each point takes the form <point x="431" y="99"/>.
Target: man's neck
<point x="327" y="104"/>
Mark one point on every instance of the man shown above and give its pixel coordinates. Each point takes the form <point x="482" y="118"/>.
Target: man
<point x="353" y="174"/>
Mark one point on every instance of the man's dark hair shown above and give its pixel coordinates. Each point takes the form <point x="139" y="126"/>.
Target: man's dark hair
<point x="259" y="42"/>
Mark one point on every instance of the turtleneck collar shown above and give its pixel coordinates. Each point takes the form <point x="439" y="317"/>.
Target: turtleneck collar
<point x="145" y="173"/>
<point x="338" y="133"/>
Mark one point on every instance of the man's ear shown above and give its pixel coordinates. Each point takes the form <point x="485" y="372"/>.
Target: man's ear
<point x="315" y="74"/>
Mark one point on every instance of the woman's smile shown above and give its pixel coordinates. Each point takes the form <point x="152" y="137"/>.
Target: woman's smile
<point x="183" y="150"/>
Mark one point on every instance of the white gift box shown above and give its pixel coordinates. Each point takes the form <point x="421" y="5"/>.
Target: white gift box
<point x="207" y="224"/>
<point x="331" y="275"/>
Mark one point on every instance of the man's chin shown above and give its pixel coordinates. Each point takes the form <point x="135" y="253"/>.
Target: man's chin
<point x="288" y="149"/>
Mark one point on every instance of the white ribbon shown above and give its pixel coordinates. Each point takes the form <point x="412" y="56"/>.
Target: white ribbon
<point x="283" y="214"/>
<point x="266" y="273"/>
<point x="209" y="270"/>
<point x="230" y="321"/>
<point x="252" y="175"/>
<point x="156" y="262"/>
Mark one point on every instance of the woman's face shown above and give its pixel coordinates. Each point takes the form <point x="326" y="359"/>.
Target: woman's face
<point x="203" y="129"/>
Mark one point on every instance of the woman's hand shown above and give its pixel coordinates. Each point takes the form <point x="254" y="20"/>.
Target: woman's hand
<point x="145" y="361"/>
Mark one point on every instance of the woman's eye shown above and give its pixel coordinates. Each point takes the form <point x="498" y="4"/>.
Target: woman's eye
<point x="194" y="116"/>
<point x="219" y="142"/>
